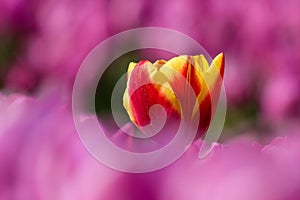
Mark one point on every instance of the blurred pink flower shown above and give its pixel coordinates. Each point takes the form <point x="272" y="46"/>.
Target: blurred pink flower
<point x="239" y="170"/>
<point x="41" y="157"/>
<point x="121" y="15"/>
<point x="66" y="32"/>
<point x="16" y="16"/>
<point x="280" y="98"/>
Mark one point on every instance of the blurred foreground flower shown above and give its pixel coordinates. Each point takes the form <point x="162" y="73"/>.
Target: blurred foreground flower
<point x="41" y="157"/>
<point x="167" y="83"/>
<point x="239" y="170"/>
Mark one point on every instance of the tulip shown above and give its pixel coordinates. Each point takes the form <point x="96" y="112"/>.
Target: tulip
<point x="160" y="83"/>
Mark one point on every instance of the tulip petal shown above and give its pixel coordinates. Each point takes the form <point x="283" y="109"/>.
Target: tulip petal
<point x="183" y="66"/>
<point x="208" y="98"/>
<point x="147" y="87"/>
<point x="200" y="63"/>
<point x="213" y="76"/>
<point x="216" y="69"/>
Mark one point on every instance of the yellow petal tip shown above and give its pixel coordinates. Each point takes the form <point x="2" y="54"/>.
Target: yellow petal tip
<point x="219" y="63"/>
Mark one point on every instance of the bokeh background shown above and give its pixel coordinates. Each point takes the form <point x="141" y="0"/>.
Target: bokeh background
<point x="42" y="44"/>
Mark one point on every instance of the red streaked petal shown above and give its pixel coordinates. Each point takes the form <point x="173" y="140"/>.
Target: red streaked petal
<point x="143" y="92"/>
<point x="209" y="96"/>
<point x="213" y="78"/>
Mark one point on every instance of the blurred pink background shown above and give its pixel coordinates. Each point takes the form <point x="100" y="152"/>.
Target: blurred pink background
<point x="42" y="44"/>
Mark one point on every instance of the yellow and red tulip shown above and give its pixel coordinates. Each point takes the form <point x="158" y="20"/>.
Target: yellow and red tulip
<point x="158" y="83"/>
